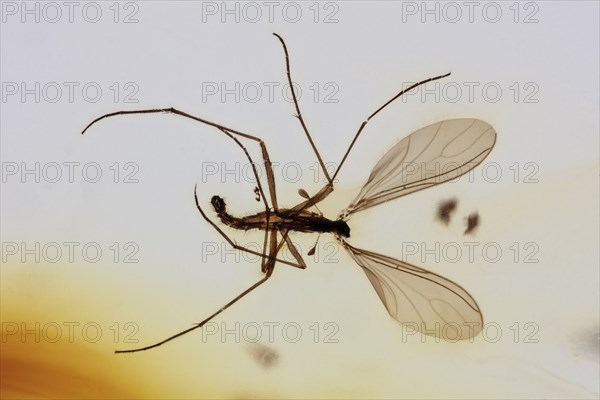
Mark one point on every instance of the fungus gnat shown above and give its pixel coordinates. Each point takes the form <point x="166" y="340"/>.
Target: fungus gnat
<point x="435" y="305"/>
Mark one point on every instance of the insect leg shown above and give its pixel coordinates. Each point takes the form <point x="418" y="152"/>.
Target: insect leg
<point x="272" y="191"/>
<point x="364" y="123"/>
<point x="298" y="113"/>
<point x="268" y="167"/>
<point x="201" y="324"/>
<point x="232" y="133"/>
<point x="293" y="249"/>
<point x="274" y="249"/>
<point x="269" y="263"/>
<point x="265" y="258"/>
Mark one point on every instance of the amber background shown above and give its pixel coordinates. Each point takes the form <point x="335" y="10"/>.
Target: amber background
<point x="369" y="54"/>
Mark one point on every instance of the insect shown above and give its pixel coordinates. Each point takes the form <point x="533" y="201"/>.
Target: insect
<point x="435" y="305"/>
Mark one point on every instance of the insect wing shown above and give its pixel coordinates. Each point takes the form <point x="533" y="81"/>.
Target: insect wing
<point x="429" y="156"/>
<point x="428" y="302"/>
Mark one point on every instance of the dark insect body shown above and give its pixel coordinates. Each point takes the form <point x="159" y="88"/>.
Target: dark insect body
<point x="299" y="221"/>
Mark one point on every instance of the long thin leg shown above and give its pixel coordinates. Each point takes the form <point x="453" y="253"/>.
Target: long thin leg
<point x="362" y="126"/>
<point x="265" y="241"/>
<point x="284" y="239"/>
<point x="293" y="249"/>
<point x="298" y="113"/>
<point x="228" y="131"/>
<point x="272" y="192"/>
<point x="268" y="168"/>
<point x="201" y="324"/>
<point x="273" y="251"/>
<point x="328" y="188"/>
<point x="276" y="248"/>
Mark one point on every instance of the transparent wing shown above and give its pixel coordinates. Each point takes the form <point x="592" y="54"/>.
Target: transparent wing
<point x="428" y="302"/>
<point x="429" y="156"/>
